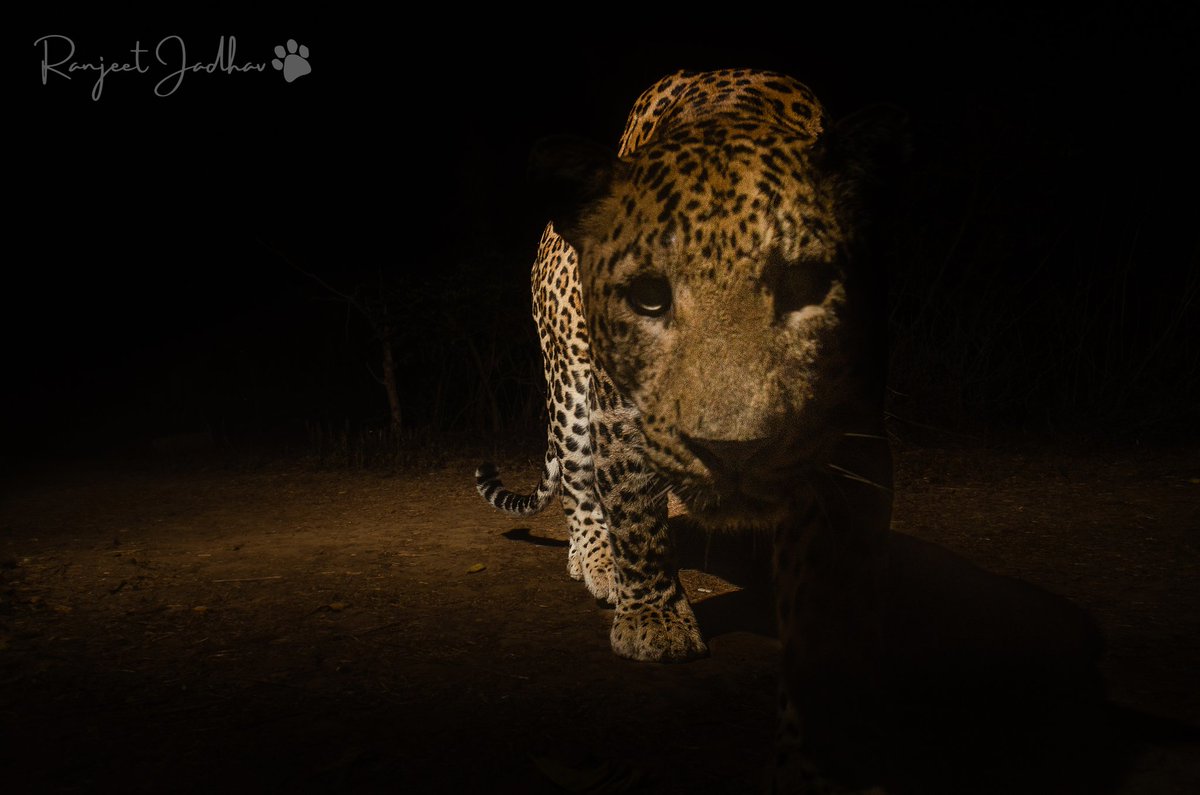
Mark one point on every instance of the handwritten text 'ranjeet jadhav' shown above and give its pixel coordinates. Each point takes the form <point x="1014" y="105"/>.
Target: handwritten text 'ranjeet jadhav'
<point x="58" y="60"/>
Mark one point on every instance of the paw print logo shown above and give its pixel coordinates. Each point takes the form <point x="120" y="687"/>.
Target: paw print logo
<point x="293" y="62"/>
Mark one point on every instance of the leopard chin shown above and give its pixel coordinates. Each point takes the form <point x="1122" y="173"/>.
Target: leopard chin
<point x="740" y="514"/>
<point x="761" y="492"/>
<point x="735" y="508"/>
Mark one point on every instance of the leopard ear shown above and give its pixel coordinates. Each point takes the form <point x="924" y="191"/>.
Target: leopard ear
<point x="878" y="136"/>
<point x="569" y="176"/>
<point x="866" y="153"/>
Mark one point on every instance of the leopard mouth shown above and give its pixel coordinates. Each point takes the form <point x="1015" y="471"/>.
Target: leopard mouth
<point x="741" y="503"/>
<point x="743" y="483"/>
<point x="738" y="513"/>
<point x="756" y="484"/>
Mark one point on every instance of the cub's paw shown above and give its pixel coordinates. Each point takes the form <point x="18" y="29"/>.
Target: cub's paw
<point x="654" y="633"/>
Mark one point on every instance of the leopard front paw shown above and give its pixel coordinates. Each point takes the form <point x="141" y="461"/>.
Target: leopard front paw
<point x="598" y="572"/>
<point x="654" y="633"/>
<point x="600" y="583"/>
<point x="574" y="563"/>
<point x="590" y="559"/>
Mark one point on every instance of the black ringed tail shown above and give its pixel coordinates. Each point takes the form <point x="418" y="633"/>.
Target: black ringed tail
<point x="489" y="486"/>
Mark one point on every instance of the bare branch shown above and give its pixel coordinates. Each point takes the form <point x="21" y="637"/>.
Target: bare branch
<point x="347" y="298"/>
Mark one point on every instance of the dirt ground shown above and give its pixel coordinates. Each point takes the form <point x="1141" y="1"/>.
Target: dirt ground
<point x="201" y="628"/>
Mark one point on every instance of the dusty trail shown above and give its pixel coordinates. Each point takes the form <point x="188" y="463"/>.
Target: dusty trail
<point x="208" y="629"/>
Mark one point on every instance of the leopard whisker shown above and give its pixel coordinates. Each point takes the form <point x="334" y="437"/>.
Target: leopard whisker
<point x="858" y="478"/>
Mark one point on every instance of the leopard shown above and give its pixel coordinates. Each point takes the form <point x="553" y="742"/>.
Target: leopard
<point x="712" y="306"/>
<point x="567" y="468"/>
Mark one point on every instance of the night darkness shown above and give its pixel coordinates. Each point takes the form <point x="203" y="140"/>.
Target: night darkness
<point x="172" y="289"/>
<point x="1048" y="244"/>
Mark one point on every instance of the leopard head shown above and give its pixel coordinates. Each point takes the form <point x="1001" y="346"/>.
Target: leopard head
<point x="729" y="294"/>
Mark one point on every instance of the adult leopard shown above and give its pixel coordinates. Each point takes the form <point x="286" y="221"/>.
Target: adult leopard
<point x="721" y="268"/>
<point x="568" y="467"/>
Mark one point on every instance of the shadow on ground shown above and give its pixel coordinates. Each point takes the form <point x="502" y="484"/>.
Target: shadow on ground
<point x="989" y="684"/>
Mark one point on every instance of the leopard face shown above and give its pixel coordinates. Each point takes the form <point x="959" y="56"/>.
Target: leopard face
<point x="718" y="281"/>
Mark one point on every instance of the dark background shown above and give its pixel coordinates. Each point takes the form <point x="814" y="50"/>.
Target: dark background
<point x="159" y="272"/>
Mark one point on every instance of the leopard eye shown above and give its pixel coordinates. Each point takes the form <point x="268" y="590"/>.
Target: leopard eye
<point x="801" y="284"/>
<point x="649" y="295"/>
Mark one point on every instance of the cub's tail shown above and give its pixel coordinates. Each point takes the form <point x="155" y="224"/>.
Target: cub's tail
<point x="487" y="483"/>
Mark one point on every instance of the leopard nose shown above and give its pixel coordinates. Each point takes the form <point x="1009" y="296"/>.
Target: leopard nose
<point x="725" y="457"/>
